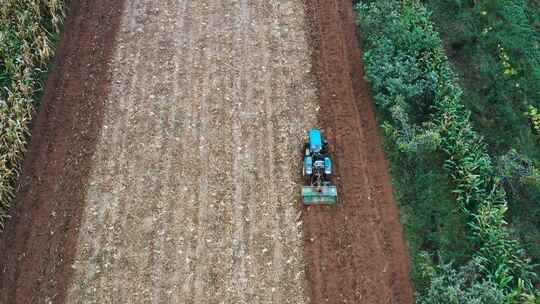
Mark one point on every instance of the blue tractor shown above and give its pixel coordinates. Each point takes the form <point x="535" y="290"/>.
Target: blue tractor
<point x="317" y="171"/>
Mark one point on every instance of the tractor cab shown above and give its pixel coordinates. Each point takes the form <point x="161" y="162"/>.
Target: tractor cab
<point x="315" y="141"/>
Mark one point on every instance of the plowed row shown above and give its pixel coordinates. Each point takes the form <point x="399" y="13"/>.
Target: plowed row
<point x="355" y="252"/>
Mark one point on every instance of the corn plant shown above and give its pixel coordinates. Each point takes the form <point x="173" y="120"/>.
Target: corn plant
<point x="28" y="29"/>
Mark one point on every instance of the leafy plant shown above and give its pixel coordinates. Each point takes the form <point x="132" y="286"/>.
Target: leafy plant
<point x="534" y="118"/>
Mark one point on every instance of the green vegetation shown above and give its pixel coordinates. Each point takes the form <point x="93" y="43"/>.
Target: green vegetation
<point x="453" y="194"/>
<point x="28" y="33"/>
<point x="495" y="47"/>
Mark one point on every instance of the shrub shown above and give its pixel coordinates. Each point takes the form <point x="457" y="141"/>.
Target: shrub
<point x="460" y="286"/>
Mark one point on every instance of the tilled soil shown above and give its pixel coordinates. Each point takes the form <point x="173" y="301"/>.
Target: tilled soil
<point x="169" y="170"/>
<point x="193" y="196"/>
<point x="355" y="251"/>
<point x="38" y="244"/>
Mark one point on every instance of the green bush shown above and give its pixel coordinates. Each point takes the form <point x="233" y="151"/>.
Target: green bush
<point x="459" y="286"/>
<point x="407" y="69"/>
<point x="28" y="32"/>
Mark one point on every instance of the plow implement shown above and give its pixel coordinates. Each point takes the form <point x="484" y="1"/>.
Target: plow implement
<point x="323" y="195"/>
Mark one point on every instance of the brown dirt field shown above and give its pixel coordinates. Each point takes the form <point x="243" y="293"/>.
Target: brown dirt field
<point x="38" y="245"/>
<point x="194" y="190"/>
<point x="354" y="252"/>
<point x="164" y="165"/>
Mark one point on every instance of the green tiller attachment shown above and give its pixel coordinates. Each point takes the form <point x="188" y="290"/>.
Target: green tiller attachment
<point x="323" y="195"/>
